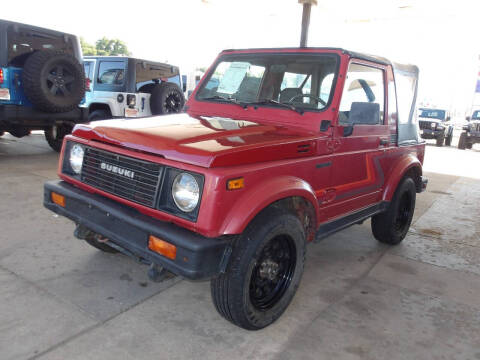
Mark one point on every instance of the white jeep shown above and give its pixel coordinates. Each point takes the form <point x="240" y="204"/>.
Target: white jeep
<point x="120" y="86"/>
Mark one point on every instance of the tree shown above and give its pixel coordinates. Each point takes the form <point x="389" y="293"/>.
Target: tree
<point x="106" y="46"/>
<point x="87" y="49"/>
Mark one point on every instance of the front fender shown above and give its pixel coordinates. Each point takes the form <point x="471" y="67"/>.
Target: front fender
<point x="264" y="194"/>
<point x="405" y="164"/>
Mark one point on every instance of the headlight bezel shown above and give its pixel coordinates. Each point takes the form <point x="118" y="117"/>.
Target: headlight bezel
<point x="76" y="167"/>
<point x="196" y="189"/>
<point x="167" y="203"/>
<point x="66" y="166"/>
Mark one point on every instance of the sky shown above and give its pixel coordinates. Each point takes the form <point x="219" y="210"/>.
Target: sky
<point x="439" y="36"/>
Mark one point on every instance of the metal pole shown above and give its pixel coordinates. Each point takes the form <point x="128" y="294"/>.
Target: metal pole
<point x="307" y="7"/>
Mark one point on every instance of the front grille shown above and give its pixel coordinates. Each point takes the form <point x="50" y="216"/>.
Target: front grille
<point x="425" y="125"/>
<point x="130" y="178"/>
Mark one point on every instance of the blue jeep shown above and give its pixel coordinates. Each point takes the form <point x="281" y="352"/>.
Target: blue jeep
<point x="42" y="81"/>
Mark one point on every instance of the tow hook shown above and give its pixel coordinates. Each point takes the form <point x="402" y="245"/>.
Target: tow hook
<point x="157" y="273"/>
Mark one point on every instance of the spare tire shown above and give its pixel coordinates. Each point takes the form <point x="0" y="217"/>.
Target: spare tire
<point x="166" y="98"/>
<point x="53" y="81"/>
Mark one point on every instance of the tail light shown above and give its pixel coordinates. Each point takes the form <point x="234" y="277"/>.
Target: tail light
<point x="88" y="82"/>
<point x="1" y="76"/>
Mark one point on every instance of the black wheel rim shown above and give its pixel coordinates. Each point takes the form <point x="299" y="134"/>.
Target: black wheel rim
<point x="173" y="102"/>
<point x="404" y="212"/>
<point x="60" y="80"/>
<point x="273" y="272"/>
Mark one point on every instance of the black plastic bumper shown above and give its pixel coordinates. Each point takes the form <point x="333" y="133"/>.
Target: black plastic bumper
<point x="197" y="258"/>
<point x="431" y="134"/>
<point x="12" y="116"/>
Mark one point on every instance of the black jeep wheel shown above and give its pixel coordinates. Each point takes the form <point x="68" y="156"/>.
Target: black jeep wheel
<point x="448" y="140"/>
<point x="391" y="226"/>
<point x="264" y="272"/>
<point x="440" y="140"/>
<point x="53" y="81"/>
<point x="19" y="132"/>
<point x="55" y="134"/>
<point x="166" y="98"/>
<point x="99" y="115"/>
<point x="469" y="145"/>
<point x="462" y="142"/>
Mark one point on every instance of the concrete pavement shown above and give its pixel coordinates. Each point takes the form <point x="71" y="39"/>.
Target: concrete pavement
<point x="62" y="299"/>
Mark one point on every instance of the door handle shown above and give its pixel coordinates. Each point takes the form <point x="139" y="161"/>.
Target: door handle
<point x="383" y="142"/>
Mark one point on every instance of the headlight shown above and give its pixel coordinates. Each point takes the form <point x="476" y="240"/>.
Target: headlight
<point x="432" y="125"/>
<point x="185" y="192"/>
<point x="76" y="158"/>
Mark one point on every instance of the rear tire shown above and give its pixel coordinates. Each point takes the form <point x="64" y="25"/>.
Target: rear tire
<point x="166" y="98"/>
<point x="55" y="134"/>
<point x="99" y="115"/>
<point x="264" y="271"/>
<point x="469" y="145"/>
<point x="53" y="81"/>
<point x="462" y="142"/>
<point x="391" y="226"/>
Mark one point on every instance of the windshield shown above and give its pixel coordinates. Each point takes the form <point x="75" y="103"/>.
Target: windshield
<point x="304" y="81"/>
<point x="476" y="115"/>
<point x="433" y="114"/>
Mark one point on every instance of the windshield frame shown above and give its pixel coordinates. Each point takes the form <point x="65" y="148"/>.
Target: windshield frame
<point x="239" y="56"/>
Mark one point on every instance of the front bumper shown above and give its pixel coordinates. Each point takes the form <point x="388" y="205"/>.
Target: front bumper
<point x="431" y="134"/>
<point x="197" y="258"/>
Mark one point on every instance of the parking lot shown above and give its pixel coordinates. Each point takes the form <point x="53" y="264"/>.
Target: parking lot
<point x="359" y="299"/>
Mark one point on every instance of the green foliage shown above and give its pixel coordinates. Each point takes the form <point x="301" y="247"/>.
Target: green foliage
<point x="87" y="49"/>
<point x="105" y="47"/>
<point x="114" y="47"/>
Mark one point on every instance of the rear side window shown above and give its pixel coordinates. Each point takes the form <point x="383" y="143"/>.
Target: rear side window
<point x="24" y="41"/>
<point x="364" y="93"/>
<point x="111" y="72"/>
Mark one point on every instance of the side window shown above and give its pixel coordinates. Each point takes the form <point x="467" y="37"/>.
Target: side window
<point x="363" y="99"/>
<point x="111" y="72"/>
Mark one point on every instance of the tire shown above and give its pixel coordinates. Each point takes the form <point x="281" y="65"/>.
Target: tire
<point x="100" y="246"/>
<point x="440" y="140"/>
<point x="462" y="142"/>
<point x="391" y="226"/>
<point x="448" y="140"/>
<point x="166" y="98"/>
<point x="242" y="294"/>
<point x="53" y="81"/>
<point x="55" y="134"/>
<point x="469" y="145"/>
<point x="99" y="115"/>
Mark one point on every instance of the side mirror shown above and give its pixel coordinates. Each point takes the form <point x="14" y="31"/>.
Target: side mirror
<point x="348" y="130"/>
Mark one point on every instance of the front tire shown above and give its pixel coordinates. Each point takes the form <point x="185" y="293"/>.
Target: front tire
<point x="440" y="140"/>
<point x="99" y="115"/>
<point x="448" y="140"/>
<point x="391" y="226"/>
<point x="462" y="142"/>
<point x="264" y="272"/>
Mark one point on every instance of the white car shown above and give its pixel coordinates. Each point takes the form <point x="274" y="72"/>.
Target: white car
<point x="120" y="86"/>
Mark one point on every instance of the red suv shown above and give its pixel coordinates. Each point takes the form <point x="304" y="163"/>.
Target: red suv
<point x="277" y="148"/>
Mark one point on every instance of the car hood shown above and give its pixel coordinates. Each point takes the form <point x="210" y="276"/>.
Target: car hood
<point x="203" y="141"/>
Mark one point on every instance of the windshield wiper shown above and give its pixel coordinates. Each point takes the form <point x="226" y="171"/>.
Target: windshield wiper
<point x="278" y="103"/>
<point x="227" y="99"/>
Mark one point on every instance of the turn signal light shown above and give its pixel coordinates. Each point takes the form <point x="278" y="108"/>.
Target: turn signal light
<point x="58" y="199"/>
<point x="162" y="247"/>
<point x="235" y="184"/>
<point x="1" y="76"/>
